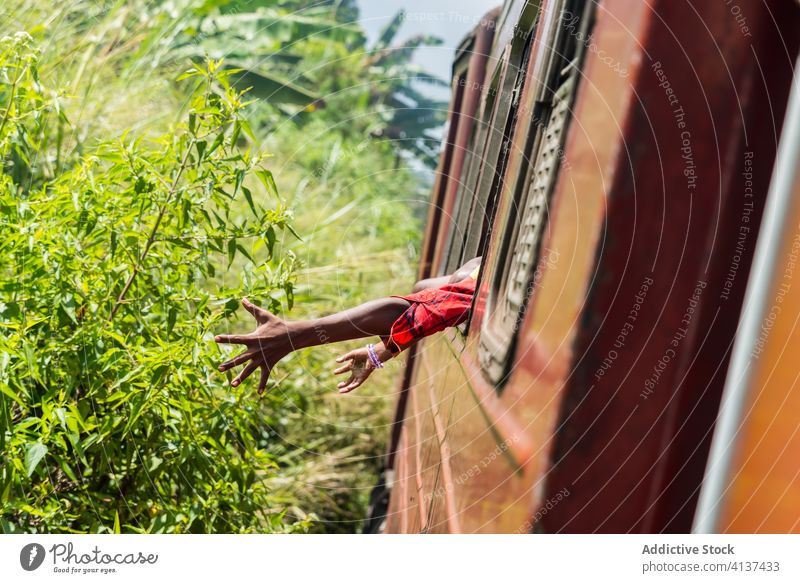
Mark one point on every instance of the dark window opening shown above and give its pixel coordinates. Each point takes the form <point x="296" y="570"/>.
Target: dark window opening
<point x="520" y="247"/>
<point x="486" y="160"/>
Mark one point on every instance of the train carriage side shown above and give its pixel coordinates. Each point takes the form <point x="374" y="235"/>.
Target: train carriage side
<point x="680" y="226"/>
<point x="571" y="180"/>
<point x="752" y="479"/>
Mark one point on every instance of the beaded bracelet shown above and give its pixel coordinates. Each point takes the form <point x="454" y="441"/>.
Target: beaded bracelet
<point x="373" y="356"/>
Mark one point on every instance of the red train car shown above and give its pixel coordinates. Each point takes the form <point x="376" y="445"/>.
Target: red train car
<point x="611" y="162"/>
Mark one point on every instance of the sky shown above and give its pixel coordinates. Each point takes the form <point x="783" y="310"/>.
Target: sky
<point x="450" y="20"/>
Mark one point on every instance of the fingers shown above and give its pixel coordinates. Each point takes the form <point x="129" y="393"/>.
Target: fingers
<point x="262" y="384"/>
<point x="345" y="368"/>
<point x="248" y="370"/>
<point x="350" y="386"/>
<point x="237" y="360"/>
<point x="235" y="338"/>
<point x="348" y="356"/>
<point x="343" y="384"/>
<point x="259" y="314"/>
<point x="249" y="306"/>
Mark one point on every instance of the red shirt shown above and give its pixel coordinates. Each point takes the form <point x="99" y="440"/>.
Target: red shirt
<point x="432" y="310"/>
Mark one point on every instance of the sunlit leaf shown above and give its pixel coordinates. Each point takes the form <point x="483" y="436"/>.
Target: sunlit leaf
<point x="33" y="455"/>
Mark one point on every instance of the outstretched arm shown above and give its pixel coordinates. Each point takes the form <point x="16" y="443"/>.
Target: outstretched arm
<point x="274" y="338"/>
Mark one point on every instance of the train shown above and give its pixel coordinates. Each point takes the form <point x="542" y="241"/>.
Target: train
<point x="628" y="171"/>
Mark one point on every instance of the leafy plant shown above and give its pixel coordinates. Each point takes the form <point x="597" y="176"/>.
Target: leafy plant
<point x="112" y="414"/>
<point x="268" y="42"/>
<point x="96" y="98"/>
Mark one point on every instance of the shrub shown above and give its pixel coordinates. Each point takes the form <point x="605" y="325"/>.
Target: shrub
<point x="112" y="414"/>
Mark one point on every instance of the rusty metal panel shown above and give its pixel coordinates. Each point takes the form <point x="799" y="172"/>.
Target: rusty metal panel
<point x="639" y="223"/>
<point x="467" y="85"/>
<point x="524" y="416"/>
<point x="649" y="363"/>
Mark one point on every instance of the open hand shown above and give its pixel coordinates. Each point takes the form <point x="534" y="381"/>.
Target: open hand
<point x="359" y="367"/>
<point x="269" y="343"/>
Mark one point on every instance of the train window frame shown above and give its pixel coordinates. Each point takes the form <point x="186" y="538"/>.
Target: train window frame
<point x="445" y="178"/>
<point x="510" y="289"/>
<point x="480" y="180"/>
<point x="457" y="227"/>
<point x="490" y="183"/>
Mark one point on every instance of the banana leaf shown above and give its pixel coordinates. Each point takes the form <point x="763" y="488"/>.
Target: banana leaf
<point x="272" y="88"/>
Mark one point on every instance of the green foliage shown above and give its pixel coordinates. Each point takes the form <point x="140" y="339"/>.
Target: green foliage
<point x="112" y="414"/>
<point x="381" y="86"/>
<point x="265" y="42"/>
<point x="27" y="115"/>
<point x="122" y="423"/>
<point x="269" y="41"/>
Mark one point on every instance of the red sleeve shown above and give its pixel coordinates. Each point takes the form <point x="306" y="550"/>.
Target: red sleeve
<point x="431" y="311"/>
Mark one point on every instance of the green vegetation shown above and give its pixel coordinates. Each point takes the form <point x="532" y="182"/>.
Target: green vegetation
<point x="159" y="162"/>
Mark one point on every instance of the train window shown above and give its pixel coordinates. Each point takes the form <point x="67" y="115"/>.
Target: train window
<point x="483" y="205"/>
<point x="487" y="155"/>
<point x="458" y="224"/>
<point x="557" y="76"/>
